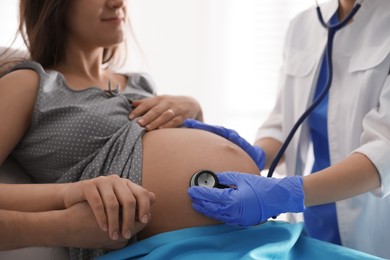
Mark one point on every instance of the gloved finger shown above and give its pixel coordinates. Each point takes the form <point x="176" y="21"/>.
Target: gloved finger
<point x="207" y="194"/>
<point x="223" y="206"/>
<point x="241" y="142"/>
<point x="222" y="216"/>
<point x="227" y="212"/>
<point x="228" y="178"/>
<point x="229" y="134"/>
<point x="219" y="201"/>
<point x="219" y="130"/>
<point x="256" y="154"/>
<point x="191" y="123"/>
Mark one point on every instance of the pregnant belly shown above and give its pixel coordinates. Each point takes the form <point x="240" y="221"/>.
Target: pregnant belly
<point x="170" y="158"/>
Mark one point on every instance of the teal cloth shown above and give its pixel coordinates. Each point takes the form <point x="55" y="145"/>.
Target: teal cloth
<point x="271" y="240"/>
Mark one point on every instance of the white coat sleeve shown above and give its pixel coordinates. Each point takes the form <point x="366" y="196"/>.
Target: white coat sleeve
<point x="376" y="139"/>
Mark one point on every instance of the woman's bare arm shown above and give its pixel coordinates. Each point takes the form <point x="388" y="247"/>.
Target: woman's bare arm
<point x="73" y="227"/>
<point x="18" y="92"/>
<point x="108" y="196"/>
<point x="32" y="197"/>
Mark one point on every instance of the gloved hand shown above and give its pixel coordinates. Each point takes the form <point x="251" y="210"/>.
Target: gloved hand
<point x="253" y="199"/>
<point x="255" y="152"/>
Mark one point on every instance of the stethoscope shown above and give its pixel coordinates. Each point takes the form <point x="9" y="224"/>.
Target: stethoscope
<point x="206" y="178"/>
<point x="209" y="179"/>
<point x="332" y="29"/>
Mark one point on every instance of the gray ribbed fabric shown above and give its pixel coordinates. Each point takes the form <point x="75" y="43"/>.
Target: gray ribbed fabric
<point x="76" y="135"/>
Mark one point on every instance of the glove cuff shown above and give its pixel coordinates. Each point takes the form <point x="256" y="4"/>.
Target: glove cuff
<point x="296" y="200"/>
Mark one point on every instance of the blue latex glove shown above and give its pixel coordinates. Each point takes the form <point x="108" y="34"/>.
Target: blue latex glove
<point x="255" y="152"/>
<point x="253" y="200"/>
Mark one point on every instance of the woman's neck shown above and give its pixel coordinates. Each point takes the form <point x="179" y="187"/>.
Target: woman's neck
<point x="83" y="68"/>
<point x="82" y="61"/>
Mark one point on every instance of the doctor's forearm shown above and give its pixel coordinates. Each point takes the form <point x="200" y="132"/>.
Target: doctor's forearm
<point x="271" y="147"/>
<point x="353" y="176"/>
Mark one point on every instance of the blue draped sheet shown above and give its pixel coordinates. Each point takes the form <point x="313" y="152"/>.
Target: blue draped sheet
<point x="271" y="240"/>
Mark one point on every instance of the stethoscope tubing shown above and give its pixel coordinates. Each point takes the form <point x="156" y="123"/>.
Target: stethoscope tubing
<point x="332" y="29"/>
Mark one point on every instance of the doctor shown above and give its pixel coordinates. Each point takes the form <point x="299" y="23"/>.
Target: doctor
<point x="346" y="198"/>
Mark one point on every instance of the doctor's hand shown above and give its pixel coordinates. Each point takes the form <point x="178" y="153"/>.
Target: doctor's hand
<point x="117" y="203"/>
<point x="165" y="111"/>
<point x="253" y="199"/>
<point x="255" y="152"/>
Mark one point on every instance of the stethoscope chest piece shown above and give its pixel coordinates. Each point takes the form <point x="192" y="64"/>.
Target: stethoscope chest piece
<point x="206" y="178"/>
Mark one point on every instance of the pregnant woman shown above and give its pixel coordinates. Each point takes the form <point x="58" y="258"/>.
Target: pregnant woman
<point x="65" y="115"/>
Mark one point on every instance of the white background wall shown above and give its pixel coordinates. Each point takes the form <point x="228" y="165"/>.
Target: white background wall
<point x="226" y="53"/>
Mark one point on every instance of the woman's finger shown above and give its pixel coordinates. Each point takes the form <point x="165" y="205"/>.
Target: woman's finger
<point x="144" y="200"/>
<point x="141" y="107"/>
<point x="93" y="197"/>
<point x="175" y="122"/>
<point x="128" y="204"/>
<point x="165" y="117"/>
<point x="111" y="206"/>
<point x="150" y="116"/>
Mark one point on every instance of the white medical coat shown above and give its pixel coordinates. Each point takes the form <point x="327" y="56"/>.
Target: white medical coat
<point x="358" y="110"/>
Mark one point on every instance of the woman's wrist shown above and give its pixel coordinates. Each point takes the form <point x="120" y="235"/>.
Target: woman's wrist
<point x="30" y="229"/>
<point x="48" y="229"/>
<point x="71" y="194"/>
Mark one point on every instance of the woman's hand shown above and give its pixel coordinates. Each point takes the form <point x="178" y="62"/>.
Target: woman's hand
<point x="112" y="200"/>
<point x="165" y="111"/>
<point x="78" y="228"/>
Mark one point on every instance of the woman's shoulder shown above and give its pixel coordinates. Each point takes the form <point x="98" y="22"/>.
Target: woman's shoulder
<point x="25" y="75"/>
<point x="18" y="89"/>
<point x="22" y="79"/>
<point x="29" y="65"/>
<point x="25" y="70"/>
<point x="31" y="73"/>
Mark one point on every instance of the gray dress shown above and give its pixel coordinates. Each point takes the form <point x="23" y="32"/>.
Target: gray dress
<point x="76" y="135"/>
